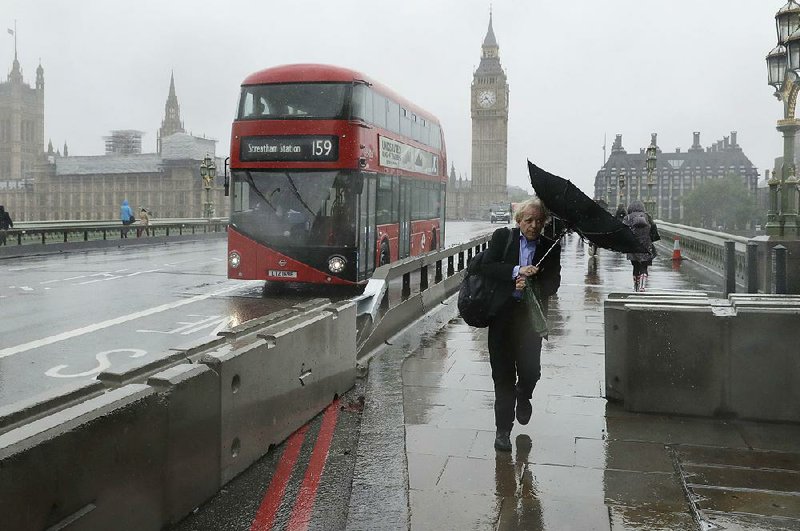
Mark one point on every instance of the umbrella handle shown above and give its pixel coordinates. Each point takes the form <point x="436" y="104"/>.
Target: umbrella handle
<point x="563" y="232"/>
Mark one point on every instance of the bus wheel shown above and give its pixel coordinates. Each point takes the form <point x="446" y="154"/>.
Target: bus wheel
<point x="385" y="257"/>
<point x="434" y="242"/>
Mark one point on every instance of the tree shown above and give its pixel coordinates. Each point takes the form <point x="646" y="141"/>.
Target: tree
<point x="724" y="202"/>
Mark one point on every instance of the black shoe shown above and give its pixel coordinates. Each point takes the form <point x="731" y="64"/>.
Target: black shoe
<point x="524" y="410"/>
<point x="502" y="442"/>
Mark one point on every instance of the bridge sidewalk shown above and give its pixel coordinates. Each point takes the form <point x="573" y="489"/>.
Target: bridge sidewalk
<point x="581" y="463"/>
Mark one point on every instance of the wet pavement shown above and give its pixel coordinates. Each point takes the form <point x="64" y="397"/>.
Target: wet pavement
<point x="582" y="463"/>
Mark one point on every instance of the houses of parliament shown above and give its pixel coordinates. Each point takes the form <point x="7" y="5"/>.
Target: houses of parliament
<point x="38" y="184"/>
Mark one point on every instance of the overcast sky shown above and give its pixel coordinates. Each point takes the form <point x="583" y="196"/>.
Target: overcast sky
<point x="578" y="70"/>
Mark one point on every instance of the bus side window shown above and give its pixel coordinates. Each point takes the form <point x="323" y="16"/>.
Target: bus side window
<point x="357" y="108"/>
<point x="379" y="110"/>
<point x="393" y="116"/>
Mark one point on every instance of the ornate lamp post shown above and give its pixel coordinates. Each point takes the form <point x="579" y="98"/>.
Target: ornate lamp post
<point x="208" y="170"/>
<point x="783" y="69"/>
<point x="650" y="204"/>
<point x="621" y="189"/>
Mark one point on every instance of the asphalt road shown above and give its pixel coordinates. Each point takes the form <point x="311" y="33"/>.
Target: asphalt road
<point x="68" y="317"/>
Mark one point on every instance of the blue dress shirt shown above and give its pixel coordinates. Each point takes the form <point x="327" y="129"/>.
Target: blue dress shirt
<point x="526" y="251"/>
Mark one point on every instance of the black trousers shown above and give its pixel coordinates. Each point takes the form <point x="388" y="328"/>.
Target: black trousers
<point x="639" y="268"/>
<point x="515" y="357"/>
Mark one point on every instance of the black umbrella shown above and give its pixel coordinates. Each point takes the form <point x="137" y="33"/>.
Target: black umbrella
<point x="581" y="213"/>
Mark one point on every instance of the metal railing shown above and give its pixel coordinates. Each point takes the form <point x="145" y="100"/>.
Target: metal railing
<point x="65" y="234"/>
<point x="388" y="306"/>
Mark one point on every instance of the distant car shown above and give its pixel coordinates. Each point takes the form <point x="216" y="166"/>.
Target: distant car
<point x="500" y="215"/>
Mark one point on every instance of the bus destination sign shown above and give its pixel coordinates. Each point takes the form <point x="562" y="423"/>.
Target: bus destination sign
<point x="307" y="148"/>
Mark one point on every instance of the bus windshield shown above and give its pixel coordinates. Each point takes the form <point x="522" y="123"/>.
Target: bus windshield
<point x="296" y="208"/>
<point x="290" y="101"/>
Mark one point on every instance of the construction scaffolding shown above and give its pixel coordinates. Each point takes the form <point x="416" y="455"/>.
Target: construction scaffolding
<point x="124" y="142"/>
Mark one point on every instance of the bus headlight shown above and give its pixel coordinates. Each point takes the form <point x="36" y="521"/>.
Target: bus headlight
<point x="336" y="264"/>
<point x="234" y="259"/>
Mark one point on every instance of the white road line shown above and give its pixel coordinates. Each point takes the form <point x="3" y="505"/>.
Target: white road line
<point x="6" y="352"/>
<point x="63" y="279"/>
<point x="143" y="272"/>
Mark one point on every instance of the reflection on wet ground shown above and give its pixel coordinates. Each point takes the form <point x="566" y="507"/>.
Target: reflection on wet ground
<point x="582" y="463"/>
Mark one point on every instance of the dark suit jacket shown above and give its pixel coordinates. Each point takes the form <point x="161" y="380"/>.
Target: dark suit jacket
<point x="502" y="267"/>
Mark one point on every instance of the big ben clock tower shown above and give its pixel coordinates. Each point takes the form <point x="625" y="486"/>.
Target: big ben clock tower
<point x="489" y="105"/>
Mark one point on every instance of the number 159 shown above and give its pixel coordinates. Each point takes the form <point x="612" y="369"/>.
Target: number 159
<point x="322" y="147"/>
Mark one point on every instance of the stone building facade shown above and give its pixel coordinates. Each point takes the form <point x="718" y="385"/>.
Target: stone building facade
<point x="21" y="138"/>
<point x="676" y="174"/>
<point x="48" y="185"/>
<point x="167" y="184"/>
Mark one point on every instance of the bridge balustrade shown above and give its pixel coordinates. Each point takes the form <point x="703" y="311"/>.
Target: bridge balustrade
<point x="707" y="247"/>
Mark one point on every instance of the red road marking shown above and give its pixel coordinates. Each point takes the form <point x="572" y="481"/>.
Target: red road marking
<point x="301" y="512"/>
<point x="265" y="516"/>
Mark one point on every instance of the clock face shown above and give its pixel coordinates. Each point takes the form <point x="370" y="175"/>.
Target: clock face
<point x="487" y="98"/>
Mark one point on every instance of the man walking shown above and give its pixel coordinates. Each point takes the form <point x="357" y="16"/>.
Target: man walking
<point x="514" y="346"/>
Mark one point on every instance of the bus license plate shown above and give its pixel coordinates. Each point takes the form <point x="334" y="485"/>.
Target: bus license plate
<point x="282" y="274"/>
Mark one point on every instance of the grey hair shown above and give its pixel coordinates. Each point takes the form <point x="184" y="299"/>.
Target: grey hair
<point x="534" y="202"/>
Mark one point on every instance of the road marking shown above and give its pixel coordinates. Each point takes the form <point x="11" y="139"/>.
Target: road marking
<point x="4" y="353"/>
<point x="265" y="516"/>
<point x="102" y="363"/>
<point x="143" y="272"/>
<point x="63" y="279"/>
<point x="215" y="321"/>
<point x="304" y="504"/>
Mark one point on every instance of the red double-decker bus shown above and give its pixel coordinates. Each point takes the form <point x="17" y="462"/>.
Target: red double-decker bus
<point x="332" y="175"/>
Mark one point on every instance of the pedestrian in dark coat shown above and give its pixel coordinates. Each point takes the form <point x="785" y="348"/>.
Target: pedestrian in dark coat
<point x="641" y="224"/>
<point x="514" y="346"/>
<point x="5" y="224"/>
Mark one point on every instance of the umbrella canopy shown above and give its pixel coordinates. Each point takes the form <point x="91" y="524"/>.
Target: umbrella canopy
<point x="581" y="213"/>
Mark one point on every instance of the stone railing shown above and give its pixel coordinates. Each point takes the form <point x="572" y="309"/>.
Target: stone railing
<point x="706" y="247"/>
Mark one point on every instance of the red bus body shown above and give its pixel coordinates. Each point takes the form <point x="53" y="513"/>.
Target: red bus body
<point x="324" y="186"/>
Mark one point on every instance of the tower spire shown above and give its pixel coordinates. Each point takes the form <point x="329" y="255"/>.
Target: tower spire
<point x="16" y="72"/>
<point x="171" y="123"/>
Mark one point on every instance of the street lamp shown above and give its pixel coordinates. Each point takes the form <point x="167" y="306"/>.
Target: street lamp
<point x="651" y="166"/>
<point x="783" y="69"/>
<point x="208" y="170"/>
<point x="621" y="189"/>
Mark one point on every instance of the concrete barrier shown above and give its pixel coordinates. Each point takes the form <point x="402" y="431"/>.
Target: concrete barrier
<point x="99" y="462"/>
<point x="707" y="357"/>
<point x="677" y="363"/>
<point x="765" y="361"/>
<point x="617" y="332"/>
<point x="142" y="455"/>
<point x="191" y="469"/>
<point x="274" y="381"/>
